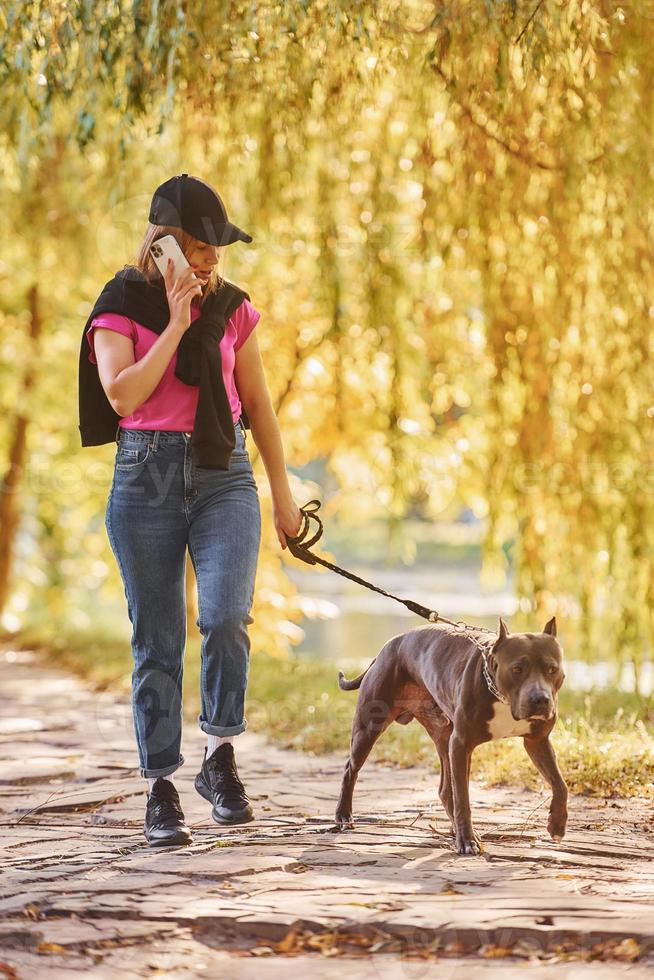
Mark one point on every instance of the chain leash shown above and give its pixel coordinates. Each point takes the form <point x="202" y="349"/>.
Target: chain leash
<point x="300" y="549"/>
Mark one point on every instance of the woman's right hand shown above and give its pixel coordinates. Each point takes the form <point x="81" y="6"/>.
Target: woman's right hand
<point x="179" y="294"/>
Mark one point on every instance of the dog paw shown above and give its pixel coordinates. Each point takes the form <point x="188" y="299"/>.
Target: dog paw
<point x="471" y="846"/>
<point x="343" y="823"/>
<point x="556" y="828"/>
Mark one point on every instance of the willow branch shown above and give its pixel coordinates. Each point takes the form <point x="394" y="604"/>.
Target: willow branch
<point x="529" y="20"/>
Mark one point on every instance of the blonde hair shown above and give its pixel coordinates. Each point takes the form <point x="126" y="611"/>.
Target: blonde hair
<point x="146" y="264"/>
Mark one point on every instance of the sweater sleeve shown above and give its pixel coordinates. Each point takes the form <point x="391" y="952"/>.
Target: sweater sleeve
<point x="246" y="318"/>
<point x="111" y="321"/>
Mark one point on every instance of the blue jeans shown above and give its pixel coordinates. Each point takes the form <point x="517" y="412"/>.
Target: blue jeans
<point x="159" y="504"/>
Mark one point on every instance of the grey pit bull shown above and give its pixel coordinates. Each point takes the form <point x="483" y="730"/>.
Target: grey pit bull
<point x="437" y="677"/>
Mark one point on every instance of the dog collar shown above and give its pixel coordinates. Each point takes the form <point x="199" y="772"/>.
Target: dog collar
<point x="492" y="686"/>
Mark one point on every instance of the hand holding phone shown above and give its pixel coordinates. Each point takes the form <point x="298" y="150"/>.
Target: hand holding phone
<point x="180" y="281"/>
<point x="180" y="293"/>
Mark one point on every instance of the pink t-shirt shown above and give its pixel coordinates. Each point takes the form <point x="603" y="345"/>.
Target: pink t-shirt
<point x="172" y="404"/>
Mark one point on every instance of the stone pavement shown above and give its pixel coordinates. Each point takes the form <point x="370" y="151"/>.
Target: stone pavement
<point x="284" y="895"/>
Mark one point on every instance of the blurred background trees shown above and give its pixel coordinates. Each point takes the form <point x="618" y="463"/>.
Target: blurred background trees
<point x="452" y="216"/>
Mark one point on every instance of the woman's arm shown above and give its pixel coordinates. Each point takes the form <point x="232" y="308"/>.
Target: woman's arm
<point x="255" y="398"/>
<point x="128" y="383"/>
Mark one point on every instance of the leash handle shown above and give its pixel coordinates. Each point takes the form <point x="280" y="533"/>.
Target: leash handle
<point x="294" y="542"/>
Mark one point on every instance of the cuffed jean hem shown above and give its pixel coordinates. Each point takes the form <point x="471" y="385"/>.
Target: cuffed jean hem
<point x="220" y="730"/>
<point x="154" y="773"/>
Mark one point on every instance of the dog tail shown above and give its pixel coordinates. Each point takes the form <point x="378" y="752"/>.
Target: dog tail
<point x="355" y="684"/>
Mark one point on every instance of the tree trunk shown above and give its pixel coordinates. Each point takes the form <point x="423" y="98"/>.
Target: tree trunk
<point x="10" y="485"/>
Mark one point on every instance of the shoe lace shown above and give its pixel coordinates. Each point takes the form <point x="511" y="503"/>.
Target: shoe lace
<point x="165" y="807"/>
<point x="224" y="775"/>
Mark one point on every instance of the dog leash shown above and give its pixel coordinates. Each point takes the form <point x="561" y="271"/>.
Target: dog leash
<point x="300" y="549"/>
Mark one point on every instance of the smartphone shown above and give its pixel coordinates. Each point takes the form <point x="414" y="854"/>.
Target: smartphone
<point x="168" y="248"/>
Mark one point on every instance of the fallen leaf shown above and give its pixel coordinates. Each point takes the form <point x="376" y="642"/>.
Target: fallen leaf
<point x="495" y="952"/>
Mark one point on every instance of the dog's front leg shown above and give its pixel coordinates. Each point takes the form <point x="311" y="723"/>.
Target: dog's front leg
<point x="467" y="841"/>
<point x="541" y="753"/>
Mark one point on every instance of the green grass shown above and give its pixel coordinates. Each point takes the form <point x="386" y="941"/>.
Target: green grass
<point x="604" y="741"/>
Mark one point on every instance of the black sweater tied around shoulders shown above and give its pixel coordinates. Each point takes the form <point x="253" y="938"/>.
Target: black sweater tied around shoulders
<point x="199" y="363"/>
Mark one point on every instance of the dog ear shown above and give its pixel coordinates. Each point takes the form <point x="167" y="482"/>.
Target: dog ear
<point x="503" y="630"/>
<point x="550" y="626"/>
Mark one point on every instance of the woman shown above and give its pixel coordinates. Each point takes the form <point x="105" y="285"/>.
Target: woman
<point x="183" y="479"/>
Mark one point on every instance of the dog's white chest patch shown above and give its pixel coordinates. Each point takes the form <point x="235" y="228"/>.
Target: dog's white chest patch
<point x="503" y="724"/>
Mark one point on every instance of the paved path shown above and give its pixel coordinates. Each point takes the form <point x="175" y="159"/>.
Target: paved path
<point x="81" y="891"/>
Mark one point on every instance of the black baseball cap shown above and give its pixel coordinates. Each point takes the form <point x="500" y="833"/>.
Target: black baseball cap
<point x="191" y="204"/>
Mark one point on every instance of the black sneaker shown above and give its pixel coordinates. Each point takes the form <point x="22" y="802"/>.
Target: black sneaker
<point x="219" y="783"/>
<point x="164" y="820"/>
